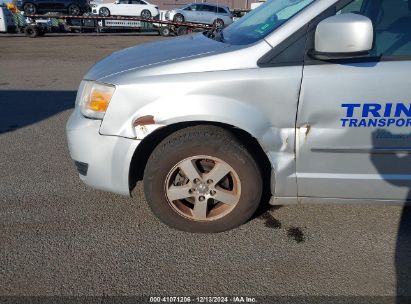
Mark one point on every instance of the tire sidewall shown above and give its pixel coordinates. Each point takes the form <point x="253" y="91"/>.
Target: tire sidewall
<point x="32" y="31"/>
<point x="181" y="31"/>
<point x="70" y="8"/>
<point x="179" y="16"/>
<point x="142" y="13"/>
<point x="34" y="8"/>
<point x="161" y="164"/>
<point x="219" y="21"/>
<point x="104" y="9"/>
<point x="165" y="32"/>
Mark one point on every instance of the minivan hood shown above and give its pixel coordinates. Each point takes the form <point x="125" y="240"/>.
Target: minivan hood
<point x="149" y="54"/>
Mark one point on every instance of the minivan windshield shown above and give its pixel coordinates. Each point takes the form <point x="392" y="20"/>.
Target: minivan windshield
<point x="262" y="21"/>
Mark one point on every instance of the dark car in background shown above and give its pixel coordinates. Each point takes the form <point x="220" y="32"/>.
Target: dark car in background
<point x="70" y="7"/>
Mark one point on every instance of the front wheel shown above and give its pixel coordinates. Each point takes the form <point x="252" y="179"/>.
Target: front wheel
<point x="218" y="23"/>
<point x="201" y="179"/>
<point x="178" y="18"/>
<point x="31" y="31"/>
<point x="74" y="10"/>
<point x="165" y="31"/>
<point x="181" y="30"/>
<point x="104" y="12"/>
<point x="146" y="14"/>
<point x="29" y="9"/>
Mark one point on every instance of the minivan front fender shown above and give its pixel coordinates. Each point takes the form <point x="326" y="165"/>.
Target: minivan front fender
<point x="277" y="143"/>
<point x="207" y="108"/>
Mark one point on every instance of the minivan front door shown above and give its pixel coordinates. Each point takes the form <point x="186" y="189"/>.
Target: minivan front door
<point x="354" y="118"/>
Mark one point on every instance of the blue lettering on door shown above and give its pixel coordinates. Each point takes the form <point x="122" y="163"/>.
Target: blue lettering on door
<point x="376" y="115"/>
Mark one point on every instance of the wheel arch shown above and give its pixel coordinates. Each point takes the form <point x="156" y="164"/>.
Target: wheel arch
<point x="150" y="142"/>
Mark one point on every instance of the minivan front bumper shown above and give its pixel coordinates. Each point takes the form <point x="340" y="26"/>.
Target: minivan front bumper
<point x="107" y="158"/>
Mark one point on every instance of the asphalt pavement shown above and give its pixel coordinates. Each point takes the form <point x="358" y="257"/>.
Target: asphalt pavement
<point x="60" y="237"/>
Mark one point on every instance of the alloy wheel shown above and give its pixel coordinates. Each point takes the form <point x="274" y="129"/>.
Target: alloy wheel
<point x="29" y="8"/>
<point x="203" y="188"/>
<point x="145" y="14"/>
<point x="104" y="12"/>
<point x="74" y="10"/>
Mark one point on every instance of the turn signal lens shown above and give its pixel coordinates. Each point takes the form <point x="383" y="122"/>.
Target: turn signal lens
<point x="95" y="99"/>
<point x="99" y="101"/>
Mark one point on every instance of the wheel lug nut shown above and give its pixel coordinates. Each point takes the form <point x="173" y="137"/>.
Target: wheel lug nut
<point x="212" y="192"/>
<point x="201" y="198"/>
<point x="196" y="181"/>
<point x="191" y="191"/>
<point x="210" y="181"/>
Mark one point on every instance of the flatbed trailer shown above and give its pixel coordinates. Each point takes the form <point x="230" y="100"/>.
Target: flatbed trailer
<point x="99" y="24"/>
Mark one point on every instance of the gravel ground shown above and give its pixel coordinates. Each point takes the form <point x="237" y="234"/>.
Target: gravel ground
<point x="59" y="237"/>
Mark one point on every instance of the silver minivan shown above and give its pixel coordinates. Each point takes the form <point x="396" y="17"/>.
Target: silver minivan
<point x="308" y="101"/>
<point x="206" y="13"/>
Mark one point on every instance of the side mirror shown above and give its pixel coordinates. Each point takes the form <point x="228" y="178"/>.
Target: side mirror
<point x="343" y="36"/>
<point x="116" y="2"/>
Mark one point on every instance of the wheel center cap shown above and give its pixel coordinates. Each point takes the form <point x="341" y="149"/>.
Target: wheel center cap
<point x="202" y="188"/>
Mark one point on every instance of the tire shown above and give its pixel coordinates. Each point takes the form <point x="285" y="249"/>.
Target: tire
<point x="29" y="9"/>
<point x="145" y="14"/>
<point x="205" y="148"/>
<point x="178" y="18"/>
<point x="31" y="31"/>
<point x="104" y="12"/>
<point x="74" y="10"/>
<point x="181" y="31"/>
<point x="219" y="23"/>
<point x="165" y="31"/>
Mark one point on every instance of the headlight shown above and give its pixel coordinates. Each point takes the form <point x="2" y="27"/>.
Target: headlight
<point x="95" y="98"/>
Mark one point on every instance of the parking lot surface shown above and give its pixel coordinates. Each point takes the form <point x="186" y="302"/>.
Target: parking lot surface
<point x="59" y="237"/>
